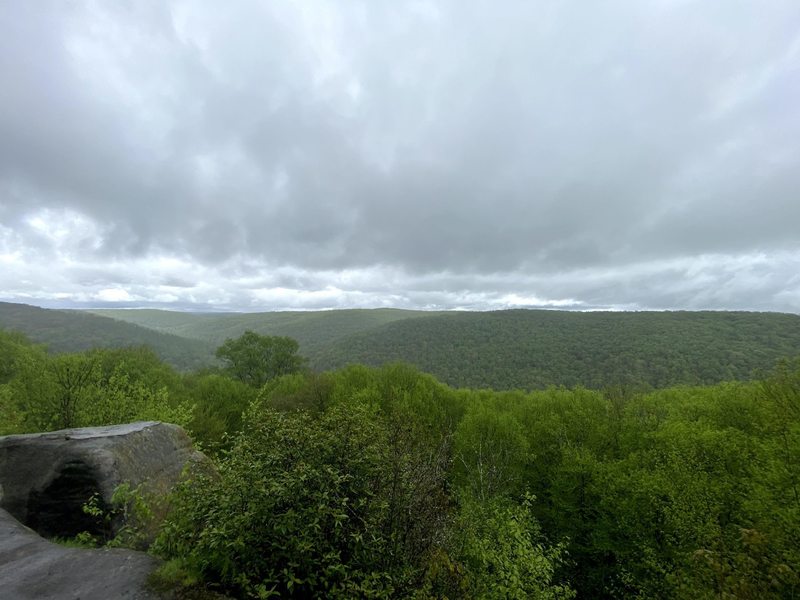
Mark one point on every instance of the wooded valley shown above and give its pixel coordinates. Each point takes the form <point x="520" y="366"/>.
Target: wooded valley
<point x="384" y="482"/>
<point x="501" y="350"/>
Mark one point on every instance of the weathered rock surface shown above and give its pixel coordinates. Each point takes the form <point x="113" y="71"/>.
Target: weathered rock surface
<point x="45" y="478"/>
<point x="33" y="568"/>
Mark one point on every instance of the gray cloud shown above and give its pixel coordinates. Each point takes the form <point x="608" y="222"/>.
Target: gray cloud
<point x="429" y="153"/>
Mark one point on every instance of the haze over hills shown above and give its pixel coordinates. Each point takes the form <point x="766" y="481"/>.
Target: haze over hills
<point x="519" y="348"/>
<point x="73" y="331"/>
<point x="314" y="330"/>
<point x="510" y="349"/>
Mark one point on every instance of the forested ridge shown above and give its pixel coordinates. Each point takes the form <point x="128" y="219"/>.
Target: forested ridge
<point x="532" y="349"/>
<point x="314" y="330"/>
<point x="520" y="349"/>
<point x="502" y="350"/>
<point x="386" y="483"/>
<point x="73" y="330"/>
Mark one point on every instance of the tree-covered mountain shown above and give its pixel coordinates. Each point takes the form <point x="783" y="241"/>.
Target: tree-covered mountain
<point x="74" y="331"/>
<point x="531" y="349"/>
<point x="314" y="330"/>
<point x="384" y="483"/>
<point x="525" y="349"/>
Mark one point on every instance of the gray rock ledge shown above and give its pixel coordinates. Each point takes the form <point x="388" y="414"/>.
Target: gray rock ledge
<point x="45" y="478"/>
<point x="31" y="568"/>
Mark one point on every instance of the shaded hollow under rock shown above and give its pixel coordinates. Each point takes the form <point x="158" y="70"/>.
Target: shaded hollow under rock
<point x="57" y="511"/>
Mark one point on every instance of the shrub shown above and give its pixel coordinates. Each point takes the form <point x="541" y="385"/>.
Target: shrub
<point x="306" y="505"/>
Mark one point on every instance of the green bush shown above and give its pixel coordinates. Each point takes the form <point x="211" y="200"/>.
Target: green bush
<point x="503" y="553"/>
<point x="304" y="506"/>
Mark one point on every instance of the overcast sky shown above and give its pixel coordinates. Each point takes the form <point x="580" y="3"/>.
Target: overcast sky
<point x="416" y="154"/>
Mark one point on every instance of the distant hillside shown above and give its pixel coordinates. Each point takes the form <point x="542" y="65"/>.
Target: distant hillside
<point x="534" y="348"/>
<point x="315" y="331"/>
<point x="525" y="349"/>
<point x="72" y="331"/>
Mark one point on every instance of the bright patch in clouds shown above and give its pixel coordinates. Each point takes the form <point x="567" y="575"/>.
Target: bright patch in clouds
<point x="67" y="232"/>
<point x="517" y="301"/>
<point x="113" y="295"/>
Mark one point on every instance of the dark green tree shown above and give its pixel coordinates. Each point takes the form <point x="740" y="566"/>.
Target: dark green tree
<point x="256" y="359"/>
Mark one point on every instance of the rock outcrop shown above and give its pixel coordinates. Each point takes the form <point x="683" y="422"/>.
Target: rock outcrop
<point x="45" y="478"/>
<point x="33" y="568"/>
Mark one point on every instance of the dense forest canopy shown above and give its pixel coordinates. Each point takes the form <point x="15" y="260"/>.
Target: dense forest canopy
<point x="312" y="329"/>
<point x="386" y="483"/>
<point x="73" y="331"/>
<point x="533" y="349"/>
<point x="513" y="349"/>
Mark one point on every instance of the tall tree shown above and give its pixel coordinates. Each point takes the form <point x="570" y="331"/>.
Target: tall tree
<point x="255" y="359"/>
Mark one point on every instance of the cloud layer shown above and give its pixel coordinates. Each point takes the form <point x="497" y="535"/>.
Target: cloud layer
<point x="420" y="154"/>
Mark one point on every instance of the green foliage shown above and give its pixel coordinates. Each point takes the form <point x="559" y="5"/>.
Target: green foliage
<point x="14" y="347"/>
<point x="173" y="575"/>
<point x="219" y="402"/>
<point x="135" y="514"/>
<point x="303" y="506"/>
<point x="296" y="391"/>
<point x="256" y="359"/>
<point x="383" y="482"/>
<point x="100" y="387"/>
<point x="344" y="492"/>
<point x="533" y="349"/>
<point x="17" y="354"/>
<point x="503" y="552"/>
<point x="314" y="330"/>
<point x="513" y="349"/>
<point x="82" y="540"/>
<point x="671" y="494"/>
<point x="11" y="417"/>
<point x="79" y="331"/>
<point x="491" y="452"/>
<point x="139" y="514"/>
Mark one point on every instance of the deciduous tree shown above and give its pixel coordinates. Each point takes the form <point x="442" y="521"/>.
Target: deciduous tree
<point x="255" y="359"/>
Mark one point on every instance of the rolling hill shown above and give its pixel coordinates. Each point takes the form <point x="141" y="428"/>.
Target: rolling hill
<point x="532" y="349"/>
<point x="73" y="331"/>
<point x="526" y="349"/>
<point x="315" y="331"/>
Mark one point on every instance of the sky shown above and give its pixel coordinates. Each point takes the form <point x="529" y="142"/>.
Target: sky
<point x="454" y="154"/>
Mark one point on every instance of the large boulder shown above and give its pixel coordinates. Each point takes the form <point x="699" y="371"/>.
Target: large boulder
<point x="46" y="478"/>
<point x="33" y="568"/>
